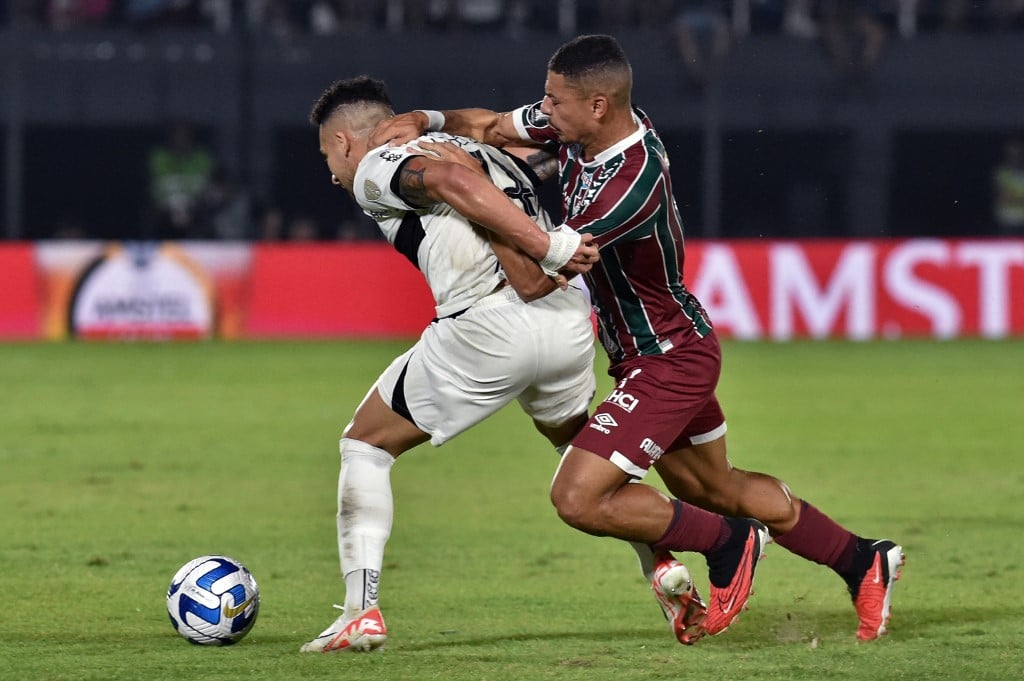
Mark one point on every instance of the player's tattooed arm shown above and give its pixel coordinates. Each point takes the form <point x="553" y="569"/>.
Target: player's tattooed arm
<point x="544" y="163"/>
<point x="412" y="184"/>
<point x="542" y="160"/>
<point x="418" y="189"/>
<point x="424" y="182"/>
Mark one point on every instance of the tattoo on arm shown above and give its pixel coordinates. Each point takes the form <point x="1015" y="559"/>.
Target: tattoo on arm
<point x="544" y="163"/>
<point x="413" y="188"/>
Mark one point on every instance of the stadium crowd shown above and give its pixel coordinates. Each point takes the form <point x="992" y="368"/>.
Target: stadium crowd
<point x="194" y="195"/>
<point x="285" y="18"/>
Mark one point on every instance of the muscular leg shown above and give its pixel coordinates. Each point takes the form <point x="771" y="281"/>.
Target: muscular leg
<point x="559" y="436"/>
<point x="702" y="475"/>
<point x="592" y="494"/>
<point x="375" y="423"/>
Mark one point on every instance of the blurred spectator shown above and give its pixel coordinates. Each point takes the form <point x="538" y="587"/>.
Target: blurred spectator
<point x="358" y="227"/>
<point x="160" y="13"/>
<point x="797" y="20"/>
<point x="63" y="14"/>
<point x="468" y="14"/>
<point x="1007" y="14"/>
<point x="277" y="18"/>
<point x="223" y="210"/>
<point x="1008" y="189"/>
<point x="324" y="17"/>
<point x="703" y="39"/>
<point x="955" y="14"/>
<point x="302" y="228"/>
<point x="852" y="34"/>
<point x="659" y="13"/>
<point x="327" y="17"/>
<point x="178" y="175"/>
<point x="271" y="224"/>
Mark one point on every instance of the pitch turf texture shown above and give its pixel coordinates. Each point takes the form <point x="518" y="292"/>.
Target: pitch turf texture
<point x="121" y="462"/>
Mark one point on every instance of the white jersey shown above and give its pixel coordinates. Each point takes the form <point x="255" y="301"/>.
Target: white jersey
<point x="454" y="256"/>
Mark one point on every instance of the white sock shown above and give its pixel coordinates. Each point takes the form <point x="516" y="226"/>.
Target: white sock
<point x="365" y="512"/>
<point x="646" y="556"/>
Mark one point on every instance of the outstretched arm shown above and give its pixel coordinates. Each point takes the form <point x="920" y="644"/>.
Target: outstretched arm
<point x="484" y="125"/>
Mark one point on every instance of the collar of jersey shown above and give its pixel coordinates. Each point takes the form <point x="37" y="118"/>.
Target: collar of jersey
<point x="619" y="147"/>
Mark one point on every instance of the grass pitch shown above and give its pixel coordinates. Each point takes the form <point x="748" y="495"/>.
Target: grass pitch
<point x="118" y="463"/>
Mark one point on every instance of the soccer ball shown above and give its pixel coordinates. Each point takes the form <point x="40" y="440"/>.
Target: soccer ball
<point x="213" y="600"/>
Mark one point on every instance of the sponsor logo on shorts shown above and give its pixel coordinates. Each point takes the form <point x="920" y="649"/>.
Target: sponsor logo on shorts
<point x="602" y="422"/>
<point x="651" y="449"/>
<point x="623" y="399"/>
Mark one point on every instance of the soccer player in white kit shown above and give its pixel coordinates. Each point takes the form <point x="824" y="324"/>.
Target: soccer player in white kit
<point x="504" y="330"/>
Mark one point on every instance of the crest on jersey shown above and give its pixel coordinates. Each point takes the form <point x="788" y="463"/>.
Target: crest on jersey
<point x="535" y="117"/>
<point x="371" y="190"/>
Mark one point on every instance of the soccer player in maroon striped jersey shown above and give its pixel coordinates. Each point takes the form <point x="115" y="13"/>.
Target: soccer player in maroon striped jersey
<point x="665" y="357"/>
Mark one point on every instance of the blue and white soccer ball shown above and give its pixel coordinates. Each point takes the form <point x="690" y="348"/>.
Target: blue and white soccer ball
<point x="213" y="600"/>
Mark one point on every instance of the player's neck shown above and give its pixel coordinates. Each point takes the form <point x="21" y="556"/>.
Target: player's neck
<point x="609" y="135"/>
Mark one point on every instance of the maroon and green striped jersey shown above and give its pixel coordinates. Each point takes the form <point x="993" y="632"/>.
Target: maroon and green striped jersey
<point x="624" y="198"/>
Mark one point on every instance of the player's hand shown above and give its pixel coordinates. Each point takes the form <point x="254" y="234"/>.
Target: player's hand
<point x="399" y="129"/>
<point x="585" y="256"/>
<point x="449" y="153"/>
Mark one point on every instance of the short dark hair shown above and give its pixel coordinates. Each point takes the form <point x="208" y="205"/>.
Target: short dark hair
<point x="587" y="54"/>
<point x="349" y="91"/>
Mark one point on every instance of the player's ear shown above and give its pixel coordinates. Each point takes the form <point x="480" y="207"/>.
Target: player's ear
<point x="342" y="141"/>
<point x="599" y="106"/>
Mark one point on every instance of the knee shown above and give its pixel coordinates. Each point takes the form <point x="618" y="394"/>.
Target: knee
<point x="574" y="507"/>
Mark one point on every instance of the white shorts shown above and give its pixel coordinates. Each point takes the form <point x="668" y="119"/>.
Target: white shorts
<point x="465" y="368"/>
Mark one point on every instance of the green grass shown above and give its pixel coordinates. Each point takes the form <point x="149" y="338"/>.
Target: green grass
<point x="118" y="463"/>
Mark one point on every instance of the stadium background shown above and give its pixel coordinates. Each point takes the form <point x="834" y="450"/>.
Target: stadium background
<point x="784" y="135"/>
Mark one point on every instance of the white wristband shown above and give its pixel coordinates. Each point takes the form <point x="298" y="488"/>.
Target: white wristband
<point x="560" y="251"/>
<point x="435" y="119"/>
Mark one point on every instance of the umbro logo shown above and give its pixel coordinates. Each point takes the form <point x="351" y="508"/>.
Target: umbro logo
<point x="602" y="422"/>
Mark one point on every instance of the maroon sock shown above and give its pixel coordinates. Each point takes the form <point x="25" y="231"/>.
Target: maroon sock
<point x="693" y="529"/>
<point x="819" y="538"/>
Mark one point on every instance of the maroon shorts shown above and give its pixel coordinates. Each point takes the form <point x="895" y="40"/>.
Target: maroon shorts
<point x="660" y="403"/>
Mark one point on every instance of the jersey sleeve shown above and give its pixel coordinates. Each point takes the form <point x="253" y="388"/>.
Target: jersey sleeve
<point x="532" y="124"/>
<point x="375" y="187"/>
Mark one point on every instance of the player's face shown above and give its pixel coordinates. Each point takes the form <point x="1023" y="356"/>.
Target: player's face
<point x="568" y="112"/>
<point x="334" y="153"/>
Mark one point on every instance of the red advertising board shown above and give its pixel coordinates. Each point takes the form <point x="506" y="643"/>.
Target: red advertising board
<point x="20" y="292"/>
<point x="334" y="290"/>
<point x="861" y="289"/>
<point x="778" y="290"/>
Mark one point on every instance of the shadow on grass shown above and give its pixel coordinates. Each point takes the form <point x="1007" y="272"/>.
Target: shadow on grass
<point x="782" y="629"/>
